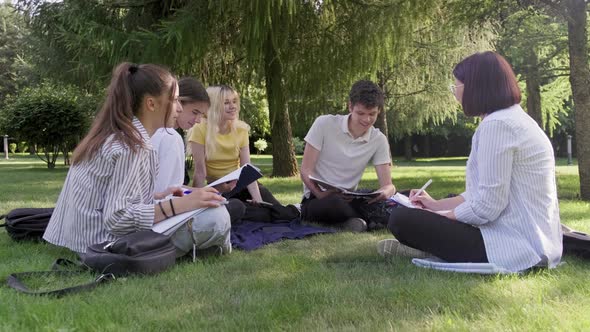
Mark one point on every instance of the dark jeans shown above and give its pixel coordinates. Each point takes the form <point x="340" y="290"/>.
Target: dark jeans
<point x="444" y="238"/>
<point x="236" y="209"/>
<point x="266" y="195"/>
<point x="239" y="209"/>
<point x="328" y="210"/>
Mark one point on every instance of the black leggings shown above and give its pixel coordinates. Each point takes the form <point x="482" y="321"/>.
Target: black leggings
<point x="444" y="238"/>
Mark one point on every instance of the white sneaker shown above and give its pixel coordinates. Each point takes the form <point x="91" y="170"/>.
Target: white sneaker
<point x="392" y="247"/>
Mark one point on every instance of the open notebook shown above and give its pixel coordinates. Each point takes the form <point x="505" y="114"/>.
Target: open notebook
<point x="405" y="201"/>
<point x="171" y="224"/>
<point x="325" y="185"/>
<point x="243" y="175"/>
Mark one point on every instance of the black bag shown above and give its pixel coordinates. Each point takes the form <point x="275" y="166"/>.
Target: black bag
<point x="27" y="223"/>
<point x="142" y="252"/>
<point x="575" y="242"/>
<point x="375" y="214"/>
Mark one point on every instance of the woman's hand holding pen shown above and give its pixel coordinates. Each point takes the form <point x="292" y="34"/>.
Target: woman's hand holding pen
<point x="423" y="200"/>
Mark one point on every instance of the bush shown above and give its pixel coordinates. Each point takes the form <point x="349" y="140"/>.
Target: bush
<point x="22" y="147"/>
<point x="254" y="110"/>
<point x="260" y="145"/>
<point x="51" y="117"/>
<point x="12" y="148"/>
<point x="299" y="145"/>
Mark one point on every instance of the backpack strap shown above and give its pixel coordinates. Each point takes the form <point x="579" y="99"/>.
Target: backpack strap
<point x="14" y="279"/>
<point x="15" y="282"/>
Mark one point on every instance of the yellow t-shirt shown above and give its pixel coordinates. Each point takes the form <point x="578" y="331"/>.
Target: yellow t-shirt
<point x="226" y="158"/>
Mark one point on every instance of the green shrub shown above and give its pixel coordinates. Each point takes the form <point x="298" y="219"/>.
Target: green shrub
<point x="52" y="117"/>
<point x="299" y="145"/>
<point x="22" y="146"/>
<point x="12" y="148"/>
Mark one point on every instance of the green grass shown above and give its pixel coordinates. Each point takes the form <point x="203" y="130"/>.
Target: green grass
<point x="326" y="282"/>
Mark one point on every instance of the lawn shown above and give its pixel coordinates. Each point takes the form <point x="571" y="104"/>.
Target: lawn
<point x="326" y="282"/>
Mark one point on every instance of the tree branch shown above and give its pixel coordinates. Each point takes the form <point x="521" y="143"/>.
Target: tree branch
<point x="552" y="55"/>
<point x="401" y="95"/>
<point x="126" y="4"/>
<point x="554" y="76"/>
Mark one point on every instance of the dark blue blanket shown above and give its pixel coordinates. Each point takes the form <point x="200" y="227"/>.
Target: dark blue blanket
<point x="250" y="235"/>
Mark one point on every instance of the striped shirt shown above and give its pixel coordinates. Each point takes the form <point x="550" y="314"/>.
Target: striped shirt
<point x="511" y="192"/>
<point x="105" y="197"/>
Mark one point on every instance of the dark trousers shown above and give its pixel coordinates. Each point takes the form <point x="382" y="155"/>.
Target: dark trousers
<point x="328" y="210"/>
<point x="236" y="209"/>
<point x="444" y="238"/>
<point x="266" y="195"/>
<point x="239" y="209"/>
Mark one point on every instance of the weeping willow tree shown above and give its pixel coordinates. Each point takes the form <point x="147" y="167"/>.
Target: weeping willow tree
<point x="313" y="50"/>
<point x="418" y="86"/>
<point x="298" y="50"/>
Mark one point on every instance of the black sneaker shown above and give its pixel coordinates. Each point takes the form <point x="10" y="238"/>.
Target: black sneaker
<point x="355" y="225"/>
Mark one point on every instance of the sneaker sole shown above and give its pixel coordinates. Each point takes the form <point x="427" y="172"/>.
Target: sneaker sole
<point x="389" y="248"/>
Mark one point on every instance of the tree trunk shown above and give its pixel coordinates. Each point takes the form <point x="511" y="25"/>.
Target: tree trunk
<point x="580" y="82"/>
<point x="533" y="89"/>
<point x="408" y="147"/>
<point x="381" y="122"/>
<point x="284" y="162"/>
<point x="427" y="146"/>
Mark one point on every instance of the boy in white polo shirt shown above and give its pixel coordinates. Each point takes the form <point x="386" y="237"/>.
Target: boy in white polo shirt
<point x="338" y="149"/>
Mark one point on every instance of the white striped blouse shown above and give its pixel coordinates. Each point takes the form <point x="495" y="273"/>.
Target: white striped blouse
<point x="105" y="197"/>
<point x="511" y="193"/>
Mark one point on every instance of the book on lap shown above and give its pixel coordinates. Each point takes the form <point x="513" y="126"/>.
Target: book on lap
<point x="325" y="186"/>
<point x="403" y="200"/>
<point x="170" y="225"/>
<point x="243" y="175"/>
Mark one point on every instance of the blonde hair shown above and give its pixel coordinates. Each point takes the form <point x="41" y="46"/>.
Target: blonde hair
<point x="217" y="95"/>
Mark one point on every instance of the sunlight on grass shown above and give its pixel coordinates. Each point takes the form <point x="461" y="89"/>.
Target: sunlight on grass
<point x="325" y="282"/>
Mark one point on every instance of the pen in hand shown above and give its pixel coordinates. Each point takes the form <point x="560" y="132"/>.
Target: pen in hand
<point x="423" y="188"/>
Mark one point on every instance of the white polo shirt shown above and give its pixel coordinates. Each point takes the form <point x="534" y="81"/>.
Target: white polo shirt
<point x="342" y="158"/>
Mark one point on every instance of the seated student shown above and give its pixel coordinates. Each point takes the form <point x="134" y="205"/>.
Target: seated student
<point x="212" y="228"/>
<point x="220" y="144"/>
<point x="109" y="189"/>
<point x="508" y="214"/>
<point x="338" y="149"/>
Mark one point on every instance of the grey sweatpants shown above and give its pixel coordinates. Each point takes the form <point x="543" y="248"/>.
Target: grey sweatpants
<point x="207" y="229"/>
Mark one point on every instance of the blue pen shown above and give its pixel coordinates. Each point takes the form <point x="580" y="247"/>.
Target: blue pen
<point x="186" y="192"/>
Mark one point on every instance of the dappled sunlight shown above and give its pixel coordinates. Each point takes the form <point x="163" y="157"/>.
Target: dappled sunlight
<point x="325" y="281"/>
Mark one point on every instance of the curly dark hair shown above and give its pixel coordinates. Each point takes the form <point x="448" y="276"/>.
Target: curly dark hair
<point x="366" y="93"/>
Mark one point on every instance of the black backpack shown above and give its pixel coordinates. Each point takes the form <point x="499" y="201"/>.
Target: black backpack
<point x="27" y="223"/>
<point x="142" y="252"/>
<point x="575" y="242"/>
